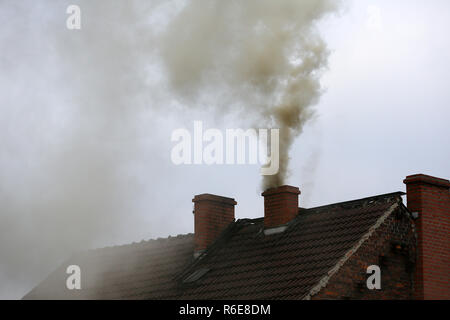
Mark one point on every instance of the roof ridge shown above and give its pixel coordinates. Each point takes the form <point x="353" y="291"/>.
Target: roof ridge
<point x="148" y="241"/>
<point x="240" y="222"/>
<point x="385" y="195"/>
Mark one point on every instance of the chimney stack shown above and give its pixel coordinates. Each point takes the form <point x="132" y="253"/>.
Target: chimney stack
<point x="280" y="206"/>
<point x="212" y="215"/>
<point x="429" y="197"/>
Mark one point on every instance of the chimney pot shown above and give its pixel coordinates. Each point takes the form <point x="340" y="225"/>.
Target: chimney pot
<point x="280" y="206"/>
<point x="212" y="214"/>
<point x="428" y="199"/>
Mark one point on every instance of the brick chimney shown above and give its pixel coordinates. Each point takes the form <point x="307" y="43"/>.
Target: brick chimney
<point x="212" y="214"/>
<point x="280" y="206"/>
<point x="429" y="197"/>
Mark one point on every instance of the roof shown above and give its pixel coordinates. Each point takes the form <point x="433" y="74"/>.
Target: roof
<point x="121" y="272"/>
<point x="242" y="264"/>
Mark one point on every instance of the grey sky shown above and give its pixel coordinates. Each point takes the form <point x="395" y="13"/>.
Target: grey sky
<point x="384" y="114"/>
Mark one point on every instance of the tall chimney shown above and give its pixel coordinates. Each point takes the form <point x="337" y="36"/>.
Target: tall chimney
<point x="429" y="197"/>
<point x="280" y="206"/>
<point x="212" y="214"/>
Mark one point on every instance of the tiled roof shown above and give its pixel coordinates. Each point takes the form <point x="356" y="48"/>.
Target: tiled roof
<point x="120" y="272"/>
<point x="243" y="264"/>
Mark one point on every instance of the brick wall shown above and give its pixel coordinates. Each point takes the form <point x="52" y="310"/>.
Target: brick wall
<point x="392" y="248"/>
<point x="280" y="206"/>
<point x="212" y="214"/>
<point x="429" y="196"/>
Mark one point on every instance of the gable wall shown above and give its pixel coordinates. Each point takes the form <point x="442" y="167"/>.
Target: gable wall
<point x="397" y="267"/>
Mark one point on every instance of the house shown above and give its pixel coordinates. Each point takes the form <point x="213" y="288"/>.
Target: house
<point x="290" y="253"/>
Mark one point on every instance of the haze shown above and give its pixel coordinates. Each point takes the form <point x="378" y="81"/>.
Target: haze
<point x="85" y="124"/>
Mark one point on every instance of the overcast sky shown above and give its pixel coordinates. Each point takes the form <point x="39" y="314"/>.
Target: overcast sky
<point x="384" y="114"/>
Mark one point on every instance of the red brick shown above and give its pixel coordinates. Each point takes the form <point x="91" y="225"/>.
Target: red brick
<point x="212" y="214"/>
<point x="280" y="206"/>
<point x="429" y="196"/>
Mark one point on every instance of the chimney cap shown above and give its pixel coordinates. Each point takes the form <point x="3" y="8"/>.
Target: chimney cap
<point x="214" y="198"/>
<point x="423" y="178"/>
<point x="282" y="189"/>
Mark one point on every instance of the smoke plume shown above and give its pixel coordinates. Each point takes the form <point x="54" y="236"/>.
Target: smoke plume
<point x="264" y="57"/>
